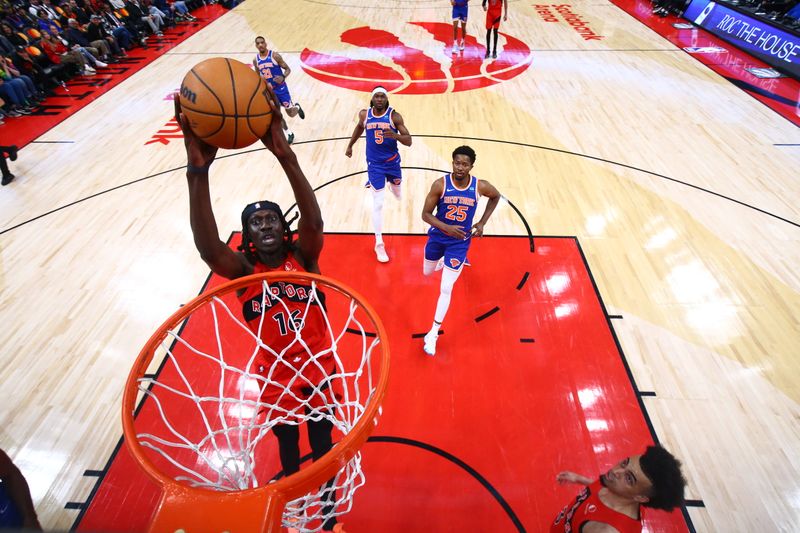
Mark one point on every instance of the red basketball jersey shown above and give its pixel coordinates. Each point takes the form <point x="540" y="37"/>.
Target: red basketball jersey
<point x="285" y="311"/>
<point x="587" y="507"/>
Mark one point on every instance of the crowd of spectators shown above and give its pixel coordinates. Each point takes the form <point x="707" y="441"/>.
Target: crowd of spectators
<point x="44" y="43"/>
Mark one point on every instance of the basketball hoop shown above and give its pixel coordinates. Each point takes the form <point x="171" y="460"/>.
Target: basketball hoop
<point x="203" y="432"/>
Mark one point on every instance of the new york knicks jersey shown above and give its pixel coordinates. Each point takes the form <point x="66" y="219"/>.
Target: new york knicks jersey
<point x="380" y="149"/>
<point x="456" y="206"/>
<point x="268" y="68"/>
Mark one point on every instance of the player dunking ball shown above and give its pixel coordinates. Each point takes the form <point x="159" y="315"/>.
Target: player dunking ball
<point x="385" y="128"/>
<point x="460" y="13"/>
<point x="455" y="198"/>
<point x="268" y="245"/>
<point x="612" y="503"/>
<point x="493" y="13"/>
<point x="274" y="69"/>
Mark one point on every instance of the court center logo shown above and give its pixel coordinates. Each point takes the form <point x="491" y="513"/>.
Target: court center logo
<point x="384" y="59"/>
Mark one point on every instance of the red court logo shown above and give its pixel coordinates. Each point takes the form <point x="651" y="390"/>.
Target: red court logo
<point x="414" y="71"/>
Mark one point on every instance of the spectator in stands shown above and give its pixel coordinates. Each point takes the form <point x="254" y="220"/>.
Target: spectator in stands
<point x="75" y="34"/>
<point x="13" y="94"/>
<point x="178" y="7"/>
<point x="6" y="46"/>
<point x="45" y="74"/>
<point x="162" y="19"/>
<point x="57" y="53"/>
<point x="89" y="53"/>
<point x="20" y="19"/>
<point x="77" y="12"/>
<point x="46" y="24"/>
<point x="9" y="33"/>
<point x="10" y="74"/>
<point x="123" y="32"/>
<point x="95" y="31"/>
<point x="136" y="12"/>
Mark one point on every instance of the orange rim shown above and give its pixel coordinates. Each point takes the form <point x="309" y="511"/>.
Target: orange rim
<point x="269" y="500"/>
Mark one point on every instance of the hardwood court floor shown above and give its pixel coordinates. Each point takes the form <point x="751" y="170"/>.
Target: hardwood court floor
<point x="681" y="189"/>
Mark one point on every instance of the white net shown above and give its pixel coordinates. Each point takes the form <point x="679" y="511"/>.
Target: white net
<point x="278" y="355"/>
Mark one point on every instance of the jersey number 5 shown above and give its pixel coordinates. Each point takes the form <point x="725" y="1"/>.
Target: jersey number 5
<point x="456" y="212"/>
<point x="379" y="136"/>
<point x="293" y="323"/>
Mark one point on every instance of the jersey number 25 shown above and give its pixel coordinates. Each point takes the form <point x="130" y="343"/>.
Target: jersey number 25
<point x="456" y="212"/>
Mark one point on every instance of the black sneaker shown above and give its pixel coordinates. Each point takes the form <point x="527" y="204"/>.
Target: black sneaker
<point x="300" y="112"/>
<point x="12" y="153"/>
<point x="487" y="53"/>
<point x="8" y="178"/>
<point x="494" y="54"/>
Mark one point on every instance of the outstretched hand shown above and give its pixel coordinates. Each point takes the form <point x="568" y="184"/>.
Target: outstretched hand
<point x="198" y="152"/>
<point x="274" y="139"/>
<point x="567" y="477"/>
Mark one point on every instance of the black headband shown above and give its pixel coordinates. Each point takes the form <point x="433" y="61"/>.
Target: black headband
<point x="258" y="206"/>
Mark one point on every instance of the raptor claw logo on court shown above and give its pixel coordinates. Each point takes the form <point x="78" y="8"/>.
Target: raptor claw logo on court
<point x="403" y="69"/>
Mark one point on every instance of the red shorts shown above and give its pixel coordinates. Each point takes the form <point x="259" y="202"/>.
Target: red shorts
<point x="493" y="16"/>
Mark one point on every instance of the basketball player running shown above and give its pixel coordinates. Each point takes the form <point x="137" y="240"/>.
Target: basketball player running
<point x="612" y="503"/>
<point x="274" y="69"/>
<point x="455" y="198"/>
<point x="460" y="13"/>
<point x="385" y="127"/>
<point x="495" y="9"/>
<point x="268" y="245"/>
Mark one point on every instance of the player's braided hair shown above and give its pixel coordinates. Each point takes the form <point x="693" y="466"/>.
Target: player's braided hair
<point x="664" y="471"/>
<point x="247" y="247"/>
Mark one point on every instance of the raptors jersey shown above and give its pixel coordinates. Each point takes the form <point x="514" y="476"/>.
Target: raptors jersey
<point x="456" y="206"/>
<point x="588" y="507"/>
<point x="380" y="149"/>
<point x="268" y="68"/>
<point x="285" y="312"/>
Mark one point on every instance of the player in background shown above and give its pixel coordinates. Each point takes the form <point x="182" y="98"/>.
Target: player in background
<point x="274" y="70"/>
<point x="460" y="14"/>
<point x="494" y="10"/>
<point x="455" y="197"/>
<point x="385" y="127"/>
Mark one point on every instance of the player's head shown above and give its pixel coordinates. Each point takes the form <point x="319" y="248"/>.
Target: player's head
<point x="653" y="479"/>
<point x="264" y="229"/>
<point x="261" y="44"/>
<point x="463" y="160"/>
<point x="379" y="99"/>
<point x="467" y="151"/>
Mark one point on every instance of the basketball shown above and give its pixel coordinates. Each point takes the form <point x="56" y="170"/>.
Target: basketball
<point x="225" y="102"/>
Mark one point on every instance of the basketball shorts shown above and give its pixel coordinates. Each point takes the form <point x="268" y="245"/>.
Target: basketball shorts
<point x="493" y="16"/>
<point x="282" y="92"/>
<point x="453" y="250"/>
<point x="378" y="173"/>
<point x="460" y="12"/>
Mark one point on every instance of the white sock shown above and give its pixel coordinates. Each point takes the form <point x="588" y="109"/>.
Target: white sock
<point x="434" y="329"/>
<point x="377" y="214"/>
<point x="449" y="278"/>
